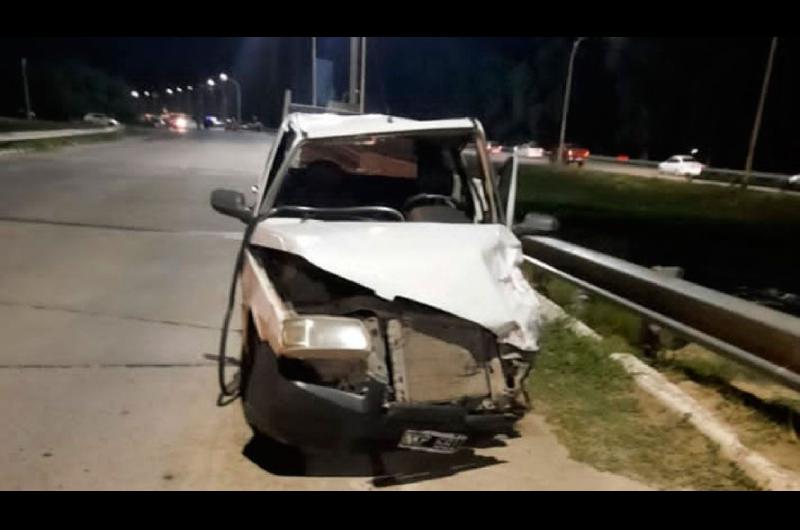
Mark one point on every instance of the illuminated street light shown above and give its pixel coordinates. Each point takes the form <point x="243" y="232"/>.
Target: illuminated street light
<point x="210" y="82"/>
<point x="224" y="78"/>
<point x="179" y="90"/>
<point x="134" y="94"/>
<point x="146" y="94"/>
<point x="565" y="110"/>
<point x="169" y="91"/>
<point x="189" y="88"/>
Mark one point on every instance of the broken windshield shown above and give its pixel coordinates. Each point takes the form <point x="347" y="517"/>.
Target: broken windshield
<point x="407" y="174"/>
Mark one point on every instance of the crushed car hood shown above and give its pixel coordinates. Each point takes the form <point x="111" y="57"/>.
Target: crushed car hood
<point x="469" y="270"/>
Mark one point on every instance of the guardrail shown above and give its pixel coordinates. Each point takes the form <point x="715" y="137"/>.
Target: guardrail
<point x="761" y="338"/>
<point x="23" y="136"/>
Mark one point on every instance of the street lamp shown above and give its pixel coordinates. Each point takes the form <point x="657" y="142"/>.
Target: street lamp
<point x="210" y="82"/>
<point x="567" y="91"/>
<point x="134" y="94"/>
<point x="146" y="94"/>
<point x="224" y="78"/>
<point x="748" y="165"/>
<point x="169" y="91"/>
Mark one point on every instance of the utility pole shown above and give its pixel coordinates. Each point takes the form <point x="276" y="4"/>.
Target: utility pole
<point x="748" y="167"/>
<point x="362" y="77"/>
<point x="352" y="98"/>
<point x="314" y="71"/>
<point x="25" y="87"/>
<point x="565" y="110"/>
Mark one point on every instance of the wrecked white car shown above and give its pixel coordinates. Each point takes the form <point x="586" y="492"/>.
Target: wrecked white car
<point x="382" y="298"/>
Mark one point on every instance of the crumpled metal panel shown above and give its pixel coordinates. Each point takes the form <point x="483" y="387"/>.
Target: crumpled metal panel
<point x="471" y="270"/>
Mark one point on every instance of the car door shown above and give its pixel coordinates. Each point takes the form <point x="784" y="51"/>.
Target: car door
<point x="682" y="166"/>
<point x="672" y="164"/>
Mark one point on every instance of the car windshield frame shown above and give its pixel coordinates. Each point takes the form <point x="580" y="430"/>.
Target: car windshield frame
<point x="273" y="181"/>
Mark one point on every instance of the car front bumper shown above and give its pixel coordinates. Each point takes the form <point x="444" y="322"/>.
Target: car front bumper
<point x="320" y="418"/>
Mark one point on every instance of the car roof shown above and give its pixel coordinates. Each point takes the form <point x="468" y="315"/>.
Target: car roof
<point x="329" y="125"/>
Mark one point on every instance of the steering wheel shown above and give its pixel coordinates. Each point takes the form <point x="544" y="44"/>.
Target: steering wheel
<point x="420" y="197"/>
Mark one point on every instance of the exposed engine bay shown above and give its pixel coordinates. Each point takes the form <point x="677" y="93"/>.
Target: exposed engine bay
<point x="420" y="354"/>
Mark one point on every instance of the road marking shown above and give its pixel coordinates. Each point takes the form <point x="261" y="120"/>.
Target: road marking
<point x="41" y="307"/>
<point x="208" y="233"/>
<point x="105" y="365"/>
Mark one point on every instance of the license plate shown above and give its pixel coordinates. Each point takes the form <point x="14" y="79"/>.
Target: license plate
<point x="432" y="441"/>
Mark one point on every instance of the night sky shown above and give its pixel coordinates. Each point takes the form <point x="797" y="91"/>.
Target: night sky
<point x="642" y="96"/>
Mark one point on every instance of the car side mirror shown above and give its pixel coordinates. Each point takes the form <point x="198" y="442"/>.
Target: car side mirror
<point x="231" y="203"/>
<point x="535" y="224"/>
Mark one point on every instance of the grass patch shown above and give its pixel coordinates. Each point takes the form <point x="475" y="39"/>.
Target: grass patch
<point x="736" y="380"/>
<point x="572" y="192"/>
<point x="600" y="416"/>
<point x="606" y="318"/>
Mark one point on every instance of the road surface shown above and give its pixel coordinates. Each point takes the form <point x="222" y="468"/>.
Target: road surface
<point x="113" y="280"/>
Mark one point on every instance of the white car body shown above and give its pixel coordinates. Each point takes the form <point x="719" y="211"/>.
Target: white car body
<point x="391" y="307"/>
<point x="100" y="119"/>
<point x="683" y="165"/>
<point x="531" y="151"/>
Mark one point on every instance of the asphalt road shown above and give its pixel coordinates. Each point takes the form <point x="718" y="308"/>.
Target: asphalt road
<point x="113" y="280"/>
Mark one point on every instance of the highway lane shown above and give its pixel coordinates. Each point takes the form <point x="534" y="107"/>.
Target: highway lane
<point x="113" y="280"/>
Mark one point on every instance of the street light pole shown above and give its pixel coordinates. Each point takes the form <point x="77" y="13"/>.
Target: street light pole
<point x="363" y="73"/>
<point x="568" y="89"/>
<point x="225" y="78"/>
<point x="25" y="87"/>
<point x="210" y="83"/>
<point x="353" y="96"/>
<point x="748" y="167"/>
<point x="314" y="71"/>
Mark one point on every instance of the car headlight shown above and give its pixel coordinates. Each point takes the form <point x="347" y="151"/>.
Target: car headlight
<point x="181" y="123"/>
<point x="316" y="336"/>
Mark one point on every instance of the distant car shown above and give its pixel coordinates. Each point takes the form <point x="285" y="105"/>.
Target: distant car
<point x="100" y="119"/>
<point x="177" y="121"/>
<point x="152" y="120"/>
<point x="531" y="150"/>
<point x="253" y="126"/>
<point x="572" y="154"/>
<point x="682" y="165"/>
<point x="494" y="148"/>
<point x="212" y="122"/>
